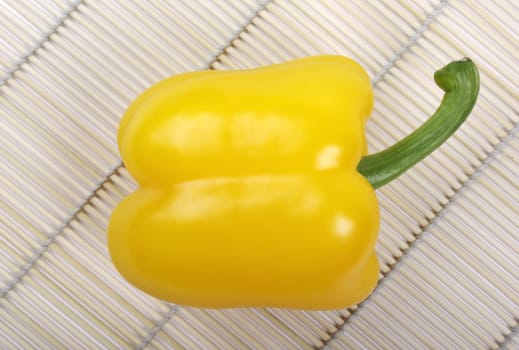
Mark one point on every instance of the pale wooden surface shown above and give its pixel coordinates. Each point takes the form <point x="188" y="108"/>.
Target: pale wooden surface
<point x="448" y="244"/>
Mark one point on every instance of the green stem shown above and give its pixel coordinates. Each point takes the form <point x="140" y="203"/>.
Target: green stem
<point x="460" y="81"/>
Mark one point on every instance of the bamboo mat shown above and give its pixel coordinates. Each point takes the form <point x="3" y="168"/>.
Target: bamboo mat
<point x="448" y="245"/>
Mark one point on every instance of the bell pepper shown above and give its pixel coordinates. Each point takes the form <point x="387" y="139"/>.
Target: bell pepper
<point x="254" y="185"/>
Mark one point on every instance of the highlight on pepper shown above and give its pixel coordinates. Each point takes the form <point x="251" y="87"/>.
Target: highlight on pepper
<point x="254" y="185"/>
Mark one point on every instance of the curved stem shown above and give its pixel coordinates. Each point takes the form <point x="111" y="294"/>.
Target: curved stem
<point x="460" y="81"/>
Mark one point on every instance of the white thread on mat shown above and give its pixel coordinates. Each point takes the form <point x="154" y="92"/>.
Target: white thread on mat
<point x="51" y="238"/>
<point x="39" y="44"/>
<point x="158" y="327"/>
<point x="244" y="29"/>
<point x="412" y="41"/>
<point x="510" y="337"/>
<point x="427" y="228"/>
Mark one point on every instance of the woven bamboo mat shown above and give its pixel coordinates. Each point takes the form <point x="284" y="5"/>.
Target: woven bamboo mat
<point x="448" y="245"/>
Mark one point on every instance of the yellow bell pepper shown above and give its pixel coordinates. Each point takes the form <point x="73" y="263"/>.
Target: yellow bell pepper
<point x="249" y="193"/>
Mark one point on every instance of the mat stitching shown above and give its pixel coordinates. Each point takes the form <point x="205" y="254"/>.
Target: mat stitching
<point x="158" y="327"/>
<point x="413" y="39"/>
<point x="244" y="29"/>
<point x="51" y="238"/>
<point x="17" y="66"/>
<point x="478" y="171"/>
<point x="510" y="336"/>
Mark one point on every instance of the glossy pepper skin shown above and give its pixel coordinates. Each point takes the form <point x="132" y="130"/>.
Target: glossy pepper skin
<point x="254" y="186"/>
<point x="248" y="189"/>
